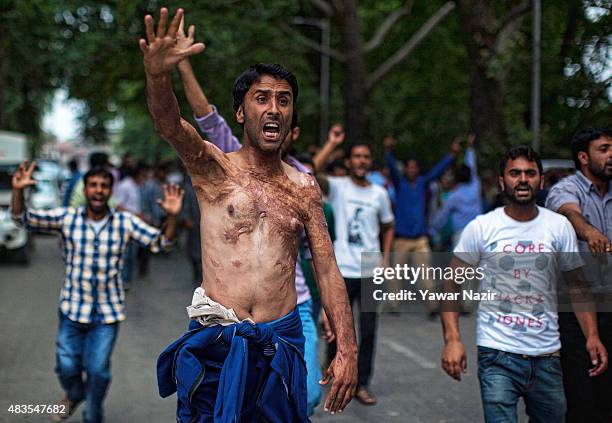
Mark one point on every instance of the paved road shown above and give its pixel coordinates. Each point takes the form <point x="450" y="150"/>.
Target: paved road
<point x="407" y="379"/>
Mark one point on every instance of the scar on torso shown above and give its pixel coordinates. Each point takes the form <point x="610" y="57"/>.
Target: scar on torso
<point x="252" y="202"/>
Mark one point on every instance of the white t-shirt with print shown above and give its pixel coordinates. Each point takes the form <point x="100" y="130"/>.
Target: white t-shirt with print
<point x="521" y="262"/>
<point x="358" y="213"/>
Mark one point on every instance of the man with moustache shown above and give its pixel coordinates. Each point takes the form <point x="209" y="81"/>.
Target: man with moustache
<point x="220" y="134"/>
<point x="517" y="333"/>
<point x="95" y="239"/>
<point x="242" y="359"/>
<point x="585" y="198"/>
<point x="363" y="216"/>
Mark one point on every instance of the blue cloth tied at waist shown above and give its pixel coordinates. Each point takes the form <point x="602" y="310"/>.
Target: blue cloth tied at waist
<point x="180" y="369"/>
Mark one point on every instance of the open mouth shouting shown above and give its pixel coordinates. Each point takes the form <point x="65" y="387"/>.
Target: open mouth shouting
<point x="523" y="191"/>
<point x="97" y="202"/>
<point x="271" y="131"/>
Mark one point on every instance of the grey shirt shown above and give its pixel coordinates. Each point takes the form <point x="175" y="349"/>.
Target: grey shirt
<point x="597" y="210"/>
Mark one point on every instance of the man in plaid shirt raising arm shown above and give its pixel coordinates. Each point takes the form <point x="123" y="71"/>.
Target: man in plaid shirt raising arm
<point x="94" y="239"/>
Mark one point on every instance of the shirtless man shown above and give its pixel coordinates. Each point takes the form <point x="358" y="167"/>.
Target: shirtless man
<point x="242" y="357"/>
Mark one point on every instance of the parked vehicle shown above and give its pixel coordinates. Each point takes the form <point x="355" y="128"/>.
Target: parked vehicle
<point x="554" y="171"/>
<point x="14" y="240"/>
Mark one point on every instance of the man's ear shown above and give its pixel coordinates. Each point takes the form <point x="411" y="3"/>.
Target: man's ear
<point x="240" y="115"/>
<point x="542" y="182"/>
<point x="295" y="133"/>
<point x="500" y="182"/>
<point x="583" y="158"/>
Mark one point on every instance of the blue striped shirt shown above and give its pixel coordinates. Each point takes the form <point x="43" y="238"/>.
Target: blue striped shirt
<point x="94" y="259"/>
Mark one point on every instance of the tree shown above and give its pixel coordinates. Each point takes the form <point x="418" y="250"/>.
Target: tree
<point x="358" y="82"/>
<point x="497" y="38"/>
<point x="29" y="60"/>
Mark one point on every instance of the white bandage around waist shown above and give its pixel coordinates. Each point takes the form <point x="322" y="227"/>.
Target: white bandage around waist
<point x="210" y="313"/>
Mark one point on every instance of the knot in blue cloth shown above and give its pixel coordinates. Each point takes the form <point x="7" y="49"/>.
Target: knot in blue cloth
<point x="280" y="394"/>
<point x="261" y="334"/>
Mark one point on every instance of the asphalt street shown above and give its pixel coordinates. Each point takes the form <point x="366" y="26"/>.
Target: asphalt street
<point x="407" y="377"/>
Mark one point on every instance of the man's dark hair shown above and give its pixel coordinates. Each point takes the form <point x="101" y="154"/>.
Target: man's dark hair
<point x="412" y="158"/>
<point x="98" y="159"/>
<point x="356" y="144"/>
<point x="73" y="165"/>
<point x="517" y="151"/>
<point x="131" y="171"/>
<point x="463" y="174"/>
<point x="99" y="171"/>
<point x="254" y="73"/>
<point x="584" y="137"/>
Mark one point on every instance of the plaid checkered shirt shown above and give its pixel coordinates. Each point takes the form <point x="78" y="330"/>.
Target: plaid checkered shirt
<point x="94" y="260"/>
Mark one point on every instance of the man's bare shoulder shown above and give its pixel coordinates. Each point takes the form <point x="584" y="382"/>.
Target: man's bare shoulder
<point x="301" y="179"/>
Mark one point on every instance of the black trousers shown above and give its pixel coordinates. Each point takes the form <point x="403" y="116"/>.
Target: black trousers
<point x="367" y="334"/>
<point x="588" y="399"/>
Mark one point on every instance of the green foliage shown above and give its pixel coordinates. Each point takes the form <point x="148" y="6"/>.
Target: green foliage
<point x="91" y="49"/>
<point x="28" y="63"/>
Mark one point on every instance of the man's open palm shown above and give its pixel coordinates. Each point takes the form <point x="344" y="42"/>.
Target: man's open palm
<point x="184" y="41"/>
<point x="22" y="178"/>
<point x="173" y="199"/>
<point x="160" y="50"/>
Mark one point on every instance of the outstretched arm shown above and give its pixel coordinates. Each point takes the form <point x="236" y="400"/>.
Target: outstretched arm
<point x="161" y="55"/>
<point x="469" y="158"/>
<point x="22" y="179"/>
<point x="343" y="369"/>
<point x="209" y="121"/>
<point x="335" y="137"/>
<point x="171" y="204"/>
<point x="439" y="168"/>
<point x="193" y="91"/>
<point x="598" y="242"/>
<point x="563" y="199"/>
<point x="33" y="219"/>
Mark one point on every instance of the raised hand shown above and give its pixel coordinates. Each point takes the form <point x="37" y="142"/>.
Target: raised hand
<point x="389" y="142"/>
<point x="455" y="146"/>
<point x="173" y="199"/>
<point x="336" y="134"/>
<point x="183" y="41"/>
<point x="471" y="139"/>
<point x="22" y="177"/>
<point x="160" y="50"/>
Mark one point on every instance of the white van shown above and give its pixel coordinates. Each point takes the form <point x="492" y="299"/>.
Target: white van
<point x="14" y="240"/>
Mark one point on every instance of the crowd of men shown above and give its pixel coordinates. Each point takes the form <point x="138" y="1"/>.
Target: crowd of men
<point x="276" y="241"/>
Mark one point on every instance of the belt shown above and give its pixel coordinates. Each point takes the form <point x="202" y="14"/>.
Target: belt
<point x="552" y="354"/>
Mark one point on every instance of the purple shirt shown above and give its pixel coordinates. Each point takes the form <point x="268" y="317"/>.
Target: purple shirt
<point x="220" y="134"/>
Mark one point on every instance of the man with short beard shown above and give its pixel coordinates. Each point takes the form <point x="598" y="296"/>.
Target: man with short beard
<point x="521" y="250"/>
<point x="242" y="359"/>
<point x="363" y="216"/>
<point x="586" y="200"/>
<point x="95" y="239"/>
<point x="211" y="123"/>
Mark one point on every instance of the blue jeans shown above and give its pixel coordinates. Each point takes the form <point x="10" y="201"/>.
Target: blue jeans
<point x="504" y="377"/>
<point x="309" y="328"/>
<point x="85" y="348"/>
